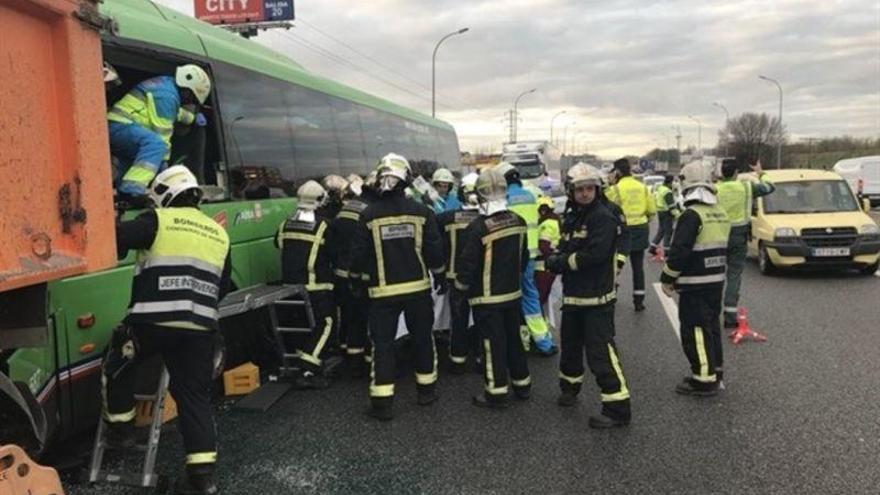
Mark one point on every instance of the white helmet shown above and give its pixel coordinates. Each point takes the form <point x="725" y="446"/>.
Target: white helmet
<point x="195" y="78"/>
<point x="582" y="174"/>
<point x="310" y="196"/>
<point x="696" y="175"/>
<point x="508" y="171"/>
<point x="442" y="175"/>
<point x="335" y="183"/>
<point x="467" y="193"/>
<point x="355" y="184"/>
<point x="111" y="77"/>
<point x="170" y="183"/>
<point x="392" y="170"/>
<point x="492" y="191"/>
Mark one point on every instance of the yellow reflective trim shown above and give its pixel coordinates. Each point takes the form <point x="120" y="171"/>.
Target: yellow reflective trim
<point x="574" y="380"/>
<point x="119" y="418"/>
<point x="669" y="271"/>
<point x="377" y="390"/>
<point x="159" y="123"/>
<point x="540" y="266"/>
<point x="375" y="227"/>
<point x="457" y="359"/>
<point x="297" y="236"/>
<point x="500" y="298"/>
<point x="313" y="254"/>
<point x="573" y="262"/>
<point x="704" y="375"/>
<point x="399" y="289"/>
<point x="622" y="257"/>
<point x="139" y="174"/>
<point x="589" y="301"/>
<point x="623" y="393"/>
<point x="313" y="357"/>
<point x="201" y="458"/>
<point x="525" y="382"/>
<point x="461" y="287"/>
<point x="507" y="232"/>
<point x="350" y="215"/>
<point x="429" y="378"/>
<point x="341" y="273"/>
<point x="487" y="271"/>
<point x="185" y="117"/>
<point x="309" y="358"/>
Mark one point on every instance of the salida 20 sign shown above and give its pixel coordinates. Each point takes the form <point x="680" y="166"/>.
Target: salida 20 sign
<point x="243" y="11"/>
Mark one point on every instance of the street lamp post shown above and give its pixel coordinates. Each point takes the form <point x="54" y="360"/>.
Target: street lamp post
<point x="699" y="135"/>
<point x="551" y="124"/>
<point x="727" y="119"/>
<point x="779" y="141"/>
<point x="434" y="69"/>
<point x="515" y="111"/>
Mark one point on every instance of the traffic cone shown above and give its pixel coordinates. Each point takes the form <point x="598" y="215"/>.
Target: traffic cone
<point x="659" y="256"/>
<point x="743" y="330"/>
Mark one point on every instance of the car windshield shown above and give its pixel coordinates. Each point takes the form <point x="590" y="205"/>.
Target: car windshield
<point x="810" y="196"/>
<point x="528" y="164"/>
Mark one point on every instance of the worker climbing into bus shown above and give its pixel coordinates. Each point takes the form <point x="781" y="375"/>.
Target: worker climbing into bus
<point x="444" y="182"/>
<point x="396" y="243"/>
<point x="464" y="340"/>
<point x="141" y="125"/>
<point x="525" y="204"/>
<point x="182" y="272"/>
<point x="307" y="253"/>
<point x="489" y="273"/>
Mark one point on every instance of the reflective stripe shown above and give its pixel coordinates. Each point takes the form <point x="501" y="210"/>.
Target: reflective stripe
<point x="702" y="279"/>
<point x="730" y="309"/>
<point x="669" y="271"/>
<point x="185" y="117"/>
<point x="354" y="350"/>
<point x="140" y="173"/>
<point x="638" y="293"/>
<point x="298" y="236"/>
<point x="457" y="359"/>
<point x="313" y="357"/>
<point x="491" y="389"/>
<point x="460" y="286"/>
<point x="172" y="306"/>
<point x="525" y="382"/>
<point x="438" y="270"/>
<point x="313" y="256"/>
<point x="377" y="390"/>
<point x="429" y="378"/>
<point x="349" y="215"/>
<point x="623" y="393"/>
<point x="700" y="342"/>
<point x="510" y="231"/>
<point x="201" y="458"/>
<point x="453" y="230"/>
<point x="574" y="380"/>
<point x="540" y="266"/>
<point x="399" y="289"/>
<point x="621" y="257"/>
<point x="159" y="261"/>
<point x="341" y="273"/>
<point x="119" y="418"/>
<point x="590" y="301"/>
<point x="496" y="299"/>
<point x="709" y="246"/>
<point x="573" y="262"/>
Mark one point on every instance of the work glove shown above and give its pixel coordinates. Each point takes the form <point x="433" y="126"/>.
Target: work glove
<point x="668" y="289"/>
<point x="441" y="285"/>
<point x="201" y="121"/>
<point x="555" y="263"/>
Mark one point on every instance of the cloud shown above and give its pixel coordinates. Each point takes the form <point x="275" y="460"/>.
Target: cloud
<point x="637" y="67"/>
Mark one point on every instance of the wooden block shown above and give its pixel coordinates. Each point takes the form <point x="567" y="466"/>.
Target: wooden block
<point x="144" y="410"/>
<point x="241" y="380"/>
<point x="19" y="474"/>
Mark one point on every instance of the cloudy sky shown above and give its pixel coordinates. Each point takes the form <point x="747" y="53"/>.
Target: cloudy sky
<point x="624" y="71"/>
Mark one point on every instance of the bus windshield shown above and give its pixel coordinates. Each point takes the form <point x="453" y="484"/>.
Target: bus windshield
<point x="810" y="196"/>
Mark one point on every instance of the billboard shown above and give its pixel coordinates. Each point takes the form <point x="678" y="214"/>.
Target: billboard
<point x="243" y="11"/>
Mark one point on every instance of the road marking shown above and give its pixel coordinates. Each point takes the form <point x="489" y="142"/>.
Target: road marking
<point x="671" y="309"/>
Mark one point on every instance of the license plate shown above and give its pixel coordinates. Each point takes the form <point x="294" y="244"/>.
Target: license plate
<point x="831" y="251"/>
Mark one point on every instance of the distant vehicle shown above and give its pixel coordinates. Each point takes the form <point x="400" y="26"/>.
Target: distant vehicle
<point x="863" y="175"/>
<point x="813" y="220"/>
<point x="537" y="162"/>
<point x="652" y="181"/>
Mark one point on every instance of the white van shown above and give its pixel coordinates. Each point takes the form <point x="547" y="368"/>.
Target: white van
<point x="863" y="175"/>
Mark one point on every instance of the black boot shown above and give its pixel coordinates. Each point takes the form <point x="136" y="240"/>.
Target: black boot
<point x="602" y="422"/>
<point x="458" y="368"/>
<point x="357" y="367"/>
<point x="427" y="394"/>
<point x="522" y="393"/>
<point x="567" y="399"/>
<point x="311" y="380"/>
<point x="199" y="481"/>
<point x="639" y="304"/>
<point x="380" y="408"/>
<point x="122" y="435"/>
<point x="689" y="387"/>
<point x="483" y="402"/>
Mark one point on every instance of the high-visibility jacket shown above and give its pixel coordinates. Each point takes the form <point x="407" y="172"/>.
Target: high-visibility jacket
<point x="306" y="251"/>
<point x="736" y="197"/>
<point x="525" y="204"/>
<point x="635" y="200"/>
<point x="396" y="243"/>
<point x="155" y="105"/>
<point x="493" y="260"/>
<point x="697" y="257"/>
<point x="453" y="225"/>
<point x="548" y="231"/>
<point x="177" y="281"/>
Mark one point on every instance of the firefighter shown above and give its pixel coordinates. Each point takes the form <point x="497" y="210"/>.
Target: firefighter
<point x="586" y="258"/>
<point x="489" y="273"/>
<point x="667" y="212"/>
<point x="444" y="182"/>
<point x="695" y="269"/>
<point x="525" y="204"/>
<point x="736" y="197"/>
<point x="182" y="271"/>
<point x="142" y="122"/>
<point x="548" y="239"/>
<point x="463" y="340"/>
<point x="336" y="187"/>
<point x="307" y="251"/>
<point x="353" y="307"/>
<point x="634" y="199"/>
<point x="397" y="241"/>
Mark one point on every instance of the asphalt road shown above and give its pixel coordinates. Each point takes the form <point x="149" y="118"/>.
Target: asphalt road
<point x="799" y="415"/>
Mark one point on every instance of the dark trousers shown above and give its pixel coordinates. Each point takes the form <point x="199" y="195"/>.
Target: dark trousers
<point x="189" y="358"/>
<point x="418" y="311"/>
<point x="737" y="249"/>
<point x="354" y="312"/>
<point x="505" y="355"/>
<point x="665" y="223"/>
<point x="590" y="331"/>
<point x="544" y="280"/>
<point x="324" y="311"/>
<point x="699" y="312"/>
<point x="464" y="339"/>
<point x="639" y="242"/>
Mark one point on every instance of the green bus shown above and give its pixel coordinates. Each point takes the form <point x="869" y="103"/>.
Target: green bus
<point x="272" y="125"/>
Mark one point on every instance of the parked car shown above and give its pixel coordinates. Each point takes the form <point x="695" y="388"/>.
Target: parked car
<point x="863" y="176"/>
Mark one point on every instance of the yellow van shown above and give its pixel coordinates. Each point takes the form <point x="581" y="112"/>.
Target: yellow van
<point x="812" y="220"/>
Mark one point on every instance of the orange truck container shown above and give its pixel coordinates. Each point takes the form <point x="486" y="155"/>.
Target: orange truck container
<point x="56" y="198"/>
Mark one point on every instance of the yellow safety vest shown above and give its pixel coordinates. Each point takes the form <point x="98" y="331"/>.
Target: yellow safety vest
<point x="735" y="197"/>
<point x="634" y="199"/>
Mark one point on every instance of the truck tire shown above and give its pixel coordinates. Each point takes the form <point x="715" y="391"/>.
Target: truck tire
<point x="765" y="266"/>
